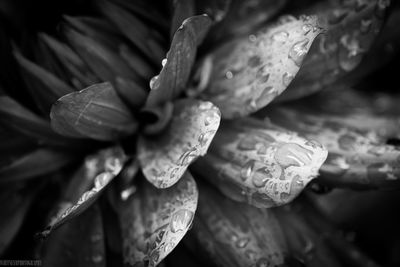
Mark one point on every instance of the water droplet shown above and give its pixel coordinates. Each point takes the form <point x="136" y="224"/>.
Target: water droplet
<point x="242" y="242"/>
<point x="126" y="193"/>
<point x="204" y="138"/>
<point x="188" y="156"/>
<point x="252" y="38"/>
<point x="85" y="196"/>
<point x="154" y="82"/>
<point x="211" y="117"/>
<point x="229" y="75"/>
<point x="299" y="51"/>
<point x="102" y="179"/>
<point x="365" y="25"/>
<point x="280" y="36"/>
<point x="181" y="220"/>
<point x="113" y="165"/>
<point x="287" y="78"/>
<point x="97" y="258"/>
<point x="307" y="28"/>
<point x="350" y="53"/>
<point x="163" y="62"/>
<point x="168" y="247"/>
<point x="247" y="170"/>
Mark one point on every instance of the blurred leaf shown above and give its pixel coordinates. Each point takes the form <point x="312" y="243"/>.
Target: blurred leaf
<point x="95" y="112"/>
<point x="242" y="17"/>
<point x="44" y="86"/>
<point x="16" y="202"/>
<point x="249" y="72"/>
<point x="352" y="26"/>
<point x="215" y="9"/>
<point x="182" y="9"/>
<point x="131" y="93"/>
<point x="20" y="119"/>
<point x="358" y="157"/>
<point x="259" y="163"/>
<point x="137" y="62"/>
<point x="79" y="73"/>
<point x="153" y="221"/>
<point x="99" y="170"/>
<point x="79" y="243"/>
<point x="235" y="234"/>
<point x="35" y="163"/>
<point x="164" y="158"/>
<point x="178" y="63"/>
<point x="147" y="39"/>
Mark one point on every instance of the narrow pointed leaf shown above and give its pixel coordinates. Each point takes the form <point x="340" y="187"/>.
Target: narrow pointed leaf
<point x="35" y="163"/>
<point x="45" y="87"/>
<point x="164" y="158"/>
<point x="148" y="40"/>
<point x="80" y="243"/>
<point x="178" y="63"/>
<point x="358" y="158"/>
<point x="20" y="119"/>
<point x="154" y="221"/>
<point x="95" y="112"/>
<point x="79" y="73"/>
<point x="352" y="27"/>
<point x="261" y="164"/>
<point x="100" y="170"/>
<point x="234" y="234"/>
<point x="137" y="62"/>
<point x="249" y="72"/>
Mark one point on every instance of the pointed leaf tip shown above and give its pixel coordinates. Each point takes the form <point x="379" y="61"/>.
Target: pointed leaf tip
<point x="95" y="112"/>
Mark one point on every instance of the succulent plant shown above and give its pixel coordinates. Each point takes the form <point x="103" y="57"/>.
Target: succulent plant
<point x="197" y="133"/>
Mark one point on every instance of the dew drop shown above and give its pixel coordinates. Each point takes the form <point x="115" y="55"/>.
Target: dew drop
<point x="188" y="156"/>
<point x="163" y="62"/>
<point x="101" y="180"/>
<point x="204" y="138"/>
<point x="126" y="193"/>
<point x="242" y="242"/>
<point x="280" y="36"/>
<point x="168" y="247"/>
<point x="181" y="220"/>
<point x="287" y="78"/>
<point x="252" y="38"/>
<point x="154" y="83"/>
<point x="85" y="197"/>
<point x="229" y="75"/>
<point x="247" y="170"/>
<point x="299" y="51"/>
<point x="307" y="28"/>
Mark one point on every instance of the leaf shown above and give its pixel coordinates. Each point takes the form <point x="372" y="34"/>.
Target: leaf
<point x="235" y="234"/>
<point x="45" y="87"/>
<point x="358" y="157"/>
<point x="80" y="243"/>
<point x="242" y="17"/>
<point x="153" y="221"/>
<point x="352" y="27"/>
<point x="131" y="93"/>
<point x="99" y="170"/>
<point x="178" y="63"/>
<point x="35" y="163"/>
<point x="102" y="60"/>
<point x="216" y="10"/>
<point x="148" y="40"/>
<point x="95" y="112"/>
<point x="137" y="62"/>
<point x="259" y="163"/>
<point x="249" y="72"/>
<point x="182" y="9"/>
<point x="79" y="73"/>
<point x="164" y="158"/>
<point x="16" y="202"/>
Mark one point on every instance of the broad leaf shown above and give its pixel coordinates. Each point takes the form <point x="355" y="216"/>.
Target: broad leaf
<point x="261" y="164"/>
<point x="249" y="72"/>
<point x="164" y="158"/>
<point x="153" y="221"/>
<point x="96" y="112"/>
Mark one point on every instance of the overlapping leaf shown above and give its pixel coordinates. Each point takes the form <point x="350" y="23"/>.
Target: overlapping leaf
<point x="249" y="72"/>
<point x="178" y="63"/>
<point x="99" y="170"/>
<point x="352" y="26"/>
<point x="153" y="221"/>
<point x="165" y="157"/>
<point x="234" y="234"/>
<point x="96" y="112"/>
<point x="261" y="164"/>
<point x="358" y="154"/>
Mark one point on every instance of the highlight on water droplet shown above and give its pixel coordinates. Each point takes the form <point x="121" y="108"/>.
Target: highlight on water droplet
<point x="229" y="75"/>
<point x="154" y="84"/>
<point x="247" y="170"/>
<point x="298" y="51"/>
<point x="287" y="78"/>
<point x="181" y="220"/>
